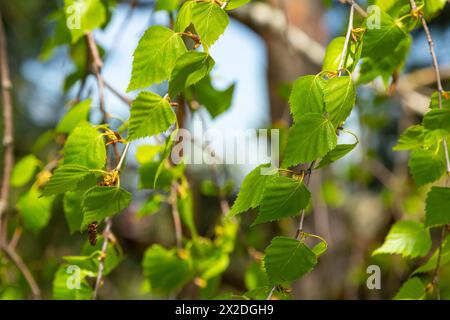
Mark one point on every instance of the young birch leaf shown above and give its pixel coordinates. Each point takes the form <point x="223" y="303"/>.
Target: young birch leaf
<point x="337" y="153"/>
<point x="184" y="17"/>
<point x="383" y="40"/>
<point x="209" y="20"/>
<point x="63" y="277"/>
<point x="150" y="114"/>
<point x="307" y="96"/>
<point x="165" y="271"/>
<point x="426" y="166"/>
<point x="312" y="137"/>
<point x="234" y="4"/>
<point x="443" y="256"/>
<point x="413" y="289"/>
<point x="74" y="116"/>
<point x="333" y="55"/>
<point x="437" y="119"/>
<point x="102" y="202"/>
<point x="215" y="101"/>
<point x="340" y="97"/>
<point x="65" y="178"/>
<point x="189" y="69"/>
<point x="83" y="16"/>
<point x="166" y="5"/>
<point x="85" y="147"/>
<point x="434" y="104"/>
<point x="24" y="170"/>
<point x="412" y="138"/>
<point x="437" y="207"/>
<point x="251" y="192"/>
<point x="73" y="210"/>
<point x="408" y="238"/>
<point x="288" y="259"/>
<point x="155" y="57"/>
<point x="283" y="197"/>
<point x="35" y="211"/>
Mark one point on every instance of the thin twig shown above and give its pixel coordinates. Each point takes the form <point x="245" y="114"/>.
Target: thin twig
<point x="438" y="264"/>
<point x="358" y="8"/>
<point x="102" y="257"/>
<point x="176" y="215"/>
<point x="347" y="38"/>
<point x="8" y="126"/>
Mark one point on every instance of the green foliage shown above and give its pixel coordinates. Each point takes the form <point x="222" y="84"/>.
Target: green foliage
<point x="307" y="96"/>
<point x="412" y="138"/>
<point x="287" y="259"/>
<point x="102" y="202"/>
<point x="165" y="270"/>
<point x="426" y="166"/>
<point x="337" y="153"/>
<point x="340" y="96"/>
<point x="85" y="147"/>
<point x="413" y="289"/>
<point x="283" y="197"/>
<point x="24" y="170"/>
<point x="209" y="20"/>
<point x="189" y="69"/>
<point x="73" y="210"/>
<point x="92" y="15"/>
<point x="438" y="207"/>
<point x="215" y="101"/>
<point x="65" y="178"/>
<point x="155" y="57"/>
<point x="252" y="189"/>
<point x="408" y="238"/>
<point x="65" y="276"/>
<point x="311" y="137"/>
<point x="35" y="211"/>
<point x="431" y="264"/>
<point x="150" y="114"/>
<point x="76" y="114"/>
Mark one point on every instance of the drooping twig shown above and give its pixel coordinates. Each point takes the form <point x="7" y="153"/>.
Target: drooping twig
<point x="444" y="142"/>
<point x="347" y="38"/>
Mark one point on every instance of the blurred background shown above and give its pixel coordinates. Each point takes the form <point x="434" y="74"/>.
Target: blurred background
<point x="355" y="201"/>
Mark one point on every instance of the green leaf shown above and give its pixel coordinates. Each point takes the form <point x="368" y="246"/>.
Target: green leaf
<point x="146" y="153"/>
<point x="113" y="257"/>
<point x="340" y="97"/>
<point x="431" y="264"/>
<point x="152" y="205"/>
<point x="437" y="207"/>
<point x="252" y="188"/>
<point x="283" y="197"/>
<point x="437" y="119"/>
<point x="408" y="238"/>
<point x="24" y="170"/>
<point x="413" y="289"/>
<point x="83" y="16"/>
<point x="412" y="138"/>
<point x="65" y="178"/>
<point x="234" y="4"/>
<point x="74" y="116"/>
<point x="312" y="137"/>
<point x="426" y="166"/>
<point x="102" y="202"/>
<point x="433" y="7"/>
<point x="85" y="147"/>
<point x="166" y="5"/>
<point x="215" y="101"/>
<point x="434" y="104"/>
<point x="307" y="96"/>
<point x="382" y="41"/>
<point x="150" y="114"/>
<point x="155" y="57"/>
<point x="35" y="211"/>
<point x="165" y="271"/>
<point x="288" y="259"/>
<point x="337" y="153"/>
<point x="184" y="17"/>
<point x="333" y="55"/>
<point x="65" y="284"/>
<point x="209" y="20"/>
<point x="73" y="210"/>
<point x="189" y="69"/>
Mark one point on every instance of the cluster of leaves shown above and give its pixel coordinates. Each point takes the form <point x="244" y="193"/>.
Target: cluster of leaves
<point x="320" y="104"/>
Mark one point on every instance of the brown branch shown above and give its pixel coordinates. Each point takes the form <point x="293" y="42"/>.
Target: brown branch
<point x="8" y="127"/>
<point x="8" y="163"/>
<point x="176" y="215"/>
<point x="101" y="265"/>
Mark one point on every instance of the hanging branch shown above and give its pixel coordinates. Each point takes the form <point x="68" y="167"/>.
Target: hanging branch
<point x="419" y="13"/>
<point x="8" y="163"/>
